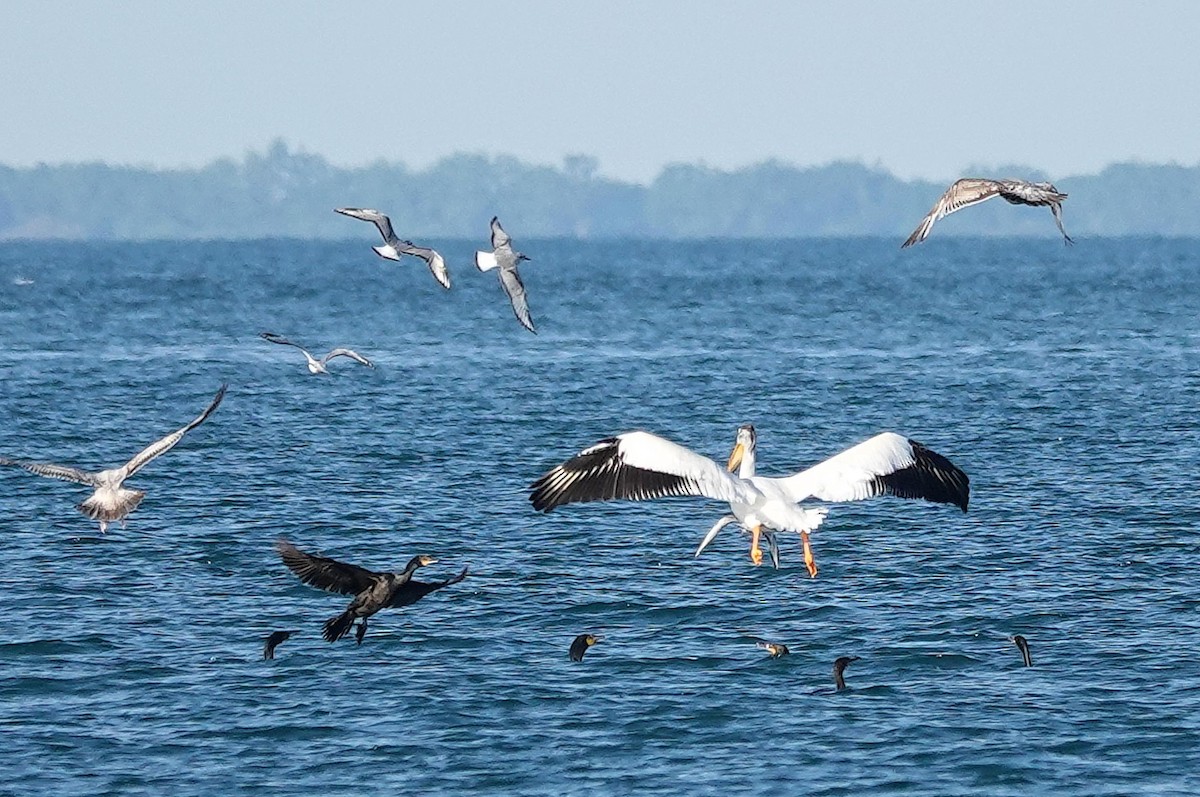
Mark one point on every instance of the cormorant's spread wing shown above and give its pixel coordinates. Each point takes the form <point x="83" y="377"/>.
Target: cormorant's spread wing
<point x="52" y="471"/>
<point x="353" y="355"/>
<point x="511" y="280"/>
<point x="374" y="216"/>
<point x="413" y="591"/>
<point x="636" y="466"/>
<point x="160" y="447"/>
<point x="434" y="260"/>
<point x="499" y="236"/>
<point x="324" y="573"/>
<point x="965" y="192"/>
<point x="887" y="464"/>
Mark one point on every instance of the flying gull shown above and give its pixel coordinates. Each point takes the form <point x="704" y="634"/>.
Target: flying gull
<point x="504" y="257"/>
<point x="111" y="502"/>
<point x="973" y="190"/>
<point x="316" y="366"/>
<point x="394" y="246"/>
<point x="639" y="466"/>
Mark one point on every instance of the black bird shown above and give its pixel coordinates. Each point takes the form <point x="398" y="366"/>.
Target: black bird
<point x="839" y="667"/>
<point x="776" y="649"/>
<point x="1023" y="646"/>
<point x="581" y="644"/>
<point x="372" y="591"/>
<point x="276" y="639"/>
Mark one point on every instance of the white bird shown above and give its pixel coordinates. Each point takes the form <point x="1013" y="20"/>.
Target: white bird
<point x="973" y="190"/>
<point x="316" y="366"/>
<point x="111" y="502"/>
<point x="394" y="246"/>
<point x="504" y="257"/>
<point x="640" y="466"/>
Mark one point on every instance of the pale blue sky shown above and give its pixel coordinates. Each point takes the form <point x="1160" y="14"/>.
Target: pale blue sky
<point x="923" y="88"/>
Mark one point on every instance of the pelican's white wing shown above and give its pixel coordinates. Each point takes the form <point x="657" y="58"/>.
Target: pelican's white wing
<point x="49" y="470"/>
<point x="636" y="466"/>
<point x="160" y="447"/>
<point x="887" y="464"/>
<point x="964" y="193"/>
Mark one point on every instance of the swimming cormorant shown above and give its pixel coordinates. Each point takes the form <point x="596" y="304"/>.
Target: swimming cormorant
<point x="1023" y="646"/>
<point x="581" y="644"/>
<point x="372" y="591"/>
<point x="839" y="667"/>
<point x="273" y="641"/>
<point x="776" y="649"/>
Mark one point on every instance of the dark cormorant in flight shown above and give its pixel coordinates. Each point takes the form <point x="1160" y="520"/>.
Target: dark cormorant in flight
<point x="372" y="591"/>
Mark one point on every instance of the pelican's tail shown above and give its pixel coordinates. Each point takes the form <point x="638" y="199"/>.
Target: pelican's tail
<point x="108" y="507"/>
<point x="387" y="251"/>
<point x="812" y="518"/>
<point x="485" y="261"/>
<point x="338" y="627"/>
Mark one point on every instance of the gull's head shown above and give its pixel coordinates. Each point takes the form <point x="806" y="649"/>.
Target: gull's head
<point x="745" y="443"/>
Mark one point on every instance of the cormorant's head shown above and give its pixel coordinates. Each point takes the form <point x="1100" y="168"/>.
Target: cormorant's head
<point x="745" y="444"/>
<point x="580" y="645"/>
<point x="776" y="649"/>
<point x="420" y="561"/>
<point x="839" y="665"/>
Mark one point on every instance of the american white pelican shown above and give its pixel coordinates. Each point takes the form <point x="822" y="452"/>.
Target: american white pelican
<point x="394" y="246"/>
<point x="316" y="366"/>
<point x="973" y="190"/>
<point x="111" y="502"/>
<point x="504" y="257"/>
<point x="640" y="466"/>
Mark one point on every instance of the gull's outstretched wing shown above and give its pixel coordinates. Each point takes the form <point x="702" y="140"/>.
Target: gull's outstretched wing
<point x="324" y="573"/>
<point x="965" y="192"/>
<point x="160" y="447"/>
<point x="353" y="355"/>
<point x="499" y="236"/>
<point x="434" y="260"/>
<point x="511" y="280"/>
<point x="636" y="466"/>
<point x="375" y="217"/>
<point x="413" y="591"/>
<point x="887" y="464"/>
<point x="281" y="340"/>
<point x="52" y="471"/>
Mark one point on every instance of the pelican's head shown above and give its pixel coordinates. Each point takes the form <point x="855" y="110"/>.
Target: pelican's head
<point x="745" y="443"/>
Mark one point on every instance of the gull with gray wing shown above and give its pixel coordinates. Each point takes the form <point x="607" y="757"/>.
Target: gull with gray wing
<point x="111" y="502"/>
<point x="505" y="258"/>
<point x="316" y="366"/>
<point x="394" y="246"/>
<point x="973" y="190"/>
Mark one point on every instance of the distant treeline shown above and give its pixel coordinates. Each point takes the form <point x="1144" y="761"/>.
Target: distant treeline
<point x="285" y="193"/>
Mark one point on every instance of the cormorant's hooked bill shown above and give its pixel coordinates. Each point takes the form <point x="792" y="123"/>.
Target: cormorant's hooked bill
<point x="581" y="644"/>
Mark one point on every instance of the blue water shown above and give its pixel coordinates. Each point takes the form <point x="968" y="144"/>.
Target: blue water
<point x="1064" y="381"/>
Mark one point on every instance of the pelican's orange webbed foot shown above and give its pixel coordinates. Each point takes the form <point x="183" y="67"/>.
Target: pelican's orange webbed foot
<point x="755" y="551"/>
<point x="809" y="561"/>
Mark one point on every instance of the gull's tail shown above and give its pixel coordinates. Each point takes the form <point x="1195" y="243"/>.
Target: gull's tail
<point x="485" y="261"/>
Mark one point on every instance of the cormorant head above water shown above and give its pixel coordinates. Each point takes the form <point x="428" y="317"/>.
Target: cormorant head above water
<point x="839" y="666"/>
<point x="580" y="645"/>
<point x="275" y="639"/>
<point x="1023" y="646"/>
<point x="775" y="649"/>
